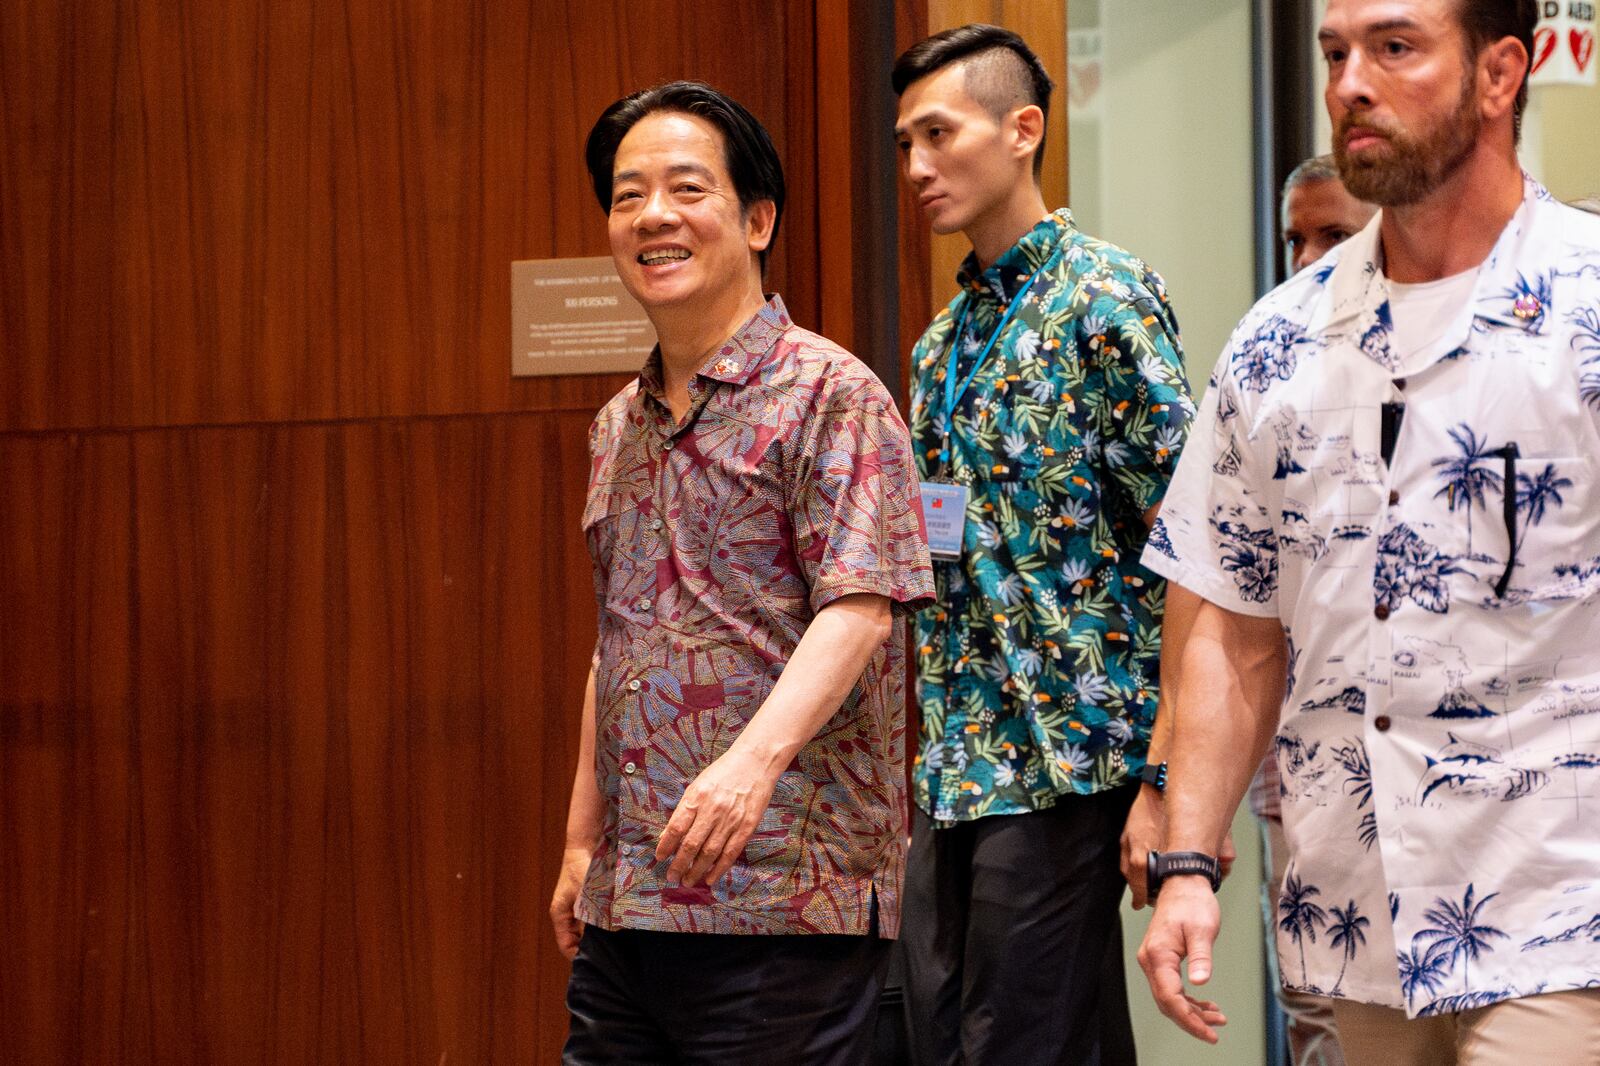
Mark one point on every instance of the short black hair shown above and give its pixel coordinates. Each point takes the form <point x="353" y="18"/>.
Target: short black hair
<point x="751" y="159"/>
<point x="1002" y="71"/>
<point x="1488" y="21"/>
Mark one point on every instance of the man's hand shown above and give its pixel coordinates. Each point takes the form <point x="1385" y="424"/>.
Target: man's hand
<point x="1147" y="823"/>
<point x="714" y="820"/>
<point x="563" y="905"/>
<point x="1184" y="926"/>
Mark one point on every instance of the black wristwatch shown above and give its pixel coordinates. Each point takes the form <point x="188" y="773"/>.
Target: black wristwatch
<point x="1154" y="774"/>
<point x="1162" y="865"/>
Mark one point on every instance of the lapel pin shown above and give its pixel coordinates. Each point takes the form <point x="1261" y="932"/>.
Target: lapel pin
<point x="726" y="366"/>
<point x="1527" y="306"/>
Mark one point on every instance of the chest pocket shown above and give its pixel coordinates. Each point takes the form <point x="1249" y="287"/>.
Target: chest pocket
<point x="1555" y="507"/>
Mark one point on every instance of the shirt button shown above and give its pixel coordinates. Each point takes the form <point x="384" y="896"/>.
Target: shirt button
<point x="655" y="523"/>
<point x="1380" y="723"/>
<point x="1394" y="497"/>
<point x="629" y="767"/>
<point x="666" y="446"/>
<point x="645" y="605"/>
<point x="1381" y="611"/>
<point x="633" y="686"/>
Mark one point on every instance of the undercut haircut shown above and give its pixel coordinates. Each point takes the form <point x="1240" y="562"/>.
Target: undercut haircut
<point x="751" y="159"/>
<point x="1488" y="21"/>
<point x="1000" y="72"/>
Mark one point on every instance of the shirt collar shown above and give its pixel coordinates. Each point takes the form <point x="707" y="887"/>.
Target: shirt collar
<point x="1510" y="290"/>
<point x="737" y="360"/>
<point x="1004" y="278"/>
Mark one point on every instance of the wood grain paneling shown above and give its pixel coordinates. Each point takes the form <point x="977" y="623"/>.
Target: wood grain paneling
<point x="222" y="213"/>
<point x="281" y="740"/>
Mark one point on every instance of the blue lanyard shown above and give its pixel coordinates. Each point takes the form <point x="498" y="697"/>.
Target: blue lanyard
<point x="952" y="395"/>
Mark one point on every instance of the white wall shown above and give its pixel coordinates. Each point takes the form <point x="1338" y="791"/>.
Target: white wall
<point x="1162" y="167"/>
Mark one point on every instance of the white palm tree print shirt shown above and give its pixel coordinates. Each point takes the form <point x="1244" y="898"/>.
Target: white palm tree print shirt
<point x="1440" y="738"/>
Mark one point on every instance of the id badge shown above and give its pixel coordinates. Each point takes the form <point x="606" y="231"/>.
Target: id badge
<point x="944" y="513"/>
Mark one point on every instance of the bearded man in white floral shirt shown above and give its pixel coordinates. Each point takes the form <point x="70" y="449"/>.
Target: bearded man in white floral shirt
<point x="1392" y="500"/>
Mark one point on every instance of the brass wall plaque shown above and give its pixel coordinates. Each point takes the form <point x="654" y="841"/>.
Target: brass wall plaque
<point x="572" y="316"/>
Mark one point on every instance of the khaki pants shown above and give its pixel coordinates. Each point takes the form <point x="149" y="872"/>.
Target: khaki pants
<point x="1555" y="1029"/>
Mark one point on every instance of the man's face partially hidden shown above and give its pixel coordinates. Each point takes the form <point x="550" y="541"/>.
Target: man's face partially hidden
<point x="1402" y="94"/>
<point x="952" y="151"/>
<point x="678" y="233"/>
<point x="1317" y="215"/>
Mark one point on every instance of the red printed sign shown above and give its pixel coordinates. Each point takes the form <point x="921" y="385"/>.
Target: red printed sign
<point x="1544" y="46"/>
<point x="1563" y="43"/>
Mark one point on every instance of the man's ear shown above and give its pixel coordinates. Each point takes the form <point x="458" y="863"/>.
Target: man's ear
<point x="1028" y="123"/>
<point x="1501" y="68"/>
<point x="759" y="222"/>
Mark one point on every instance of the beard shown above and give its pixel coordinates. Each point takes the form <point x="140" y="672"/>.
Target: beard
<point x="1414" y="166"/>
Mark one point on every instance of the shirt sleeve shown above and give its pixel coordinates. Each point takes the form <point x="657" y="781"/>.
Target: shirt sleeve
<point x="1144" y="409"/>
<point x="854" y="502"/>
<point x="1215" y="535"/>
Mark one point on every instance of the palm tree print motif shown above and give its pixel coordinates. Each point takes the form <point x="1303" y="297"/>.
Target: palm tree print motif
<point x="1467" y="476"/>
<point x="1358" y="783"/>
<point x="1300" y="917"/>
<point x="1459" y="932"/>
<point x="1422" y="969"/>
<point x="1411" y="568"/>
<point x="1536" y="493"/>
<point x="1345" y="932"/>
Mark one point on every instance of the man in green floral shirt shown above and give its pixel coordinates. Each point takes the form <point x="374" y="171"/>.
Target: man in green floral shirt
<point x="1048" y="409"/>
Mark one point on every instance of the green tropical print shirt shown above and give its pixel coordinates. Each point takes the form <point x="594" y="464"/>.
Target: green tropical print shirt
<point x="1037" y="669"/>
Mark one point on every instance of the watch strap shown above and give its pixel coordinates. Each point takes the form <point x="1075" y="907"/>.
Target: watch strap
<point x="1154" y="774"/>
<point x="1164" y="864"/>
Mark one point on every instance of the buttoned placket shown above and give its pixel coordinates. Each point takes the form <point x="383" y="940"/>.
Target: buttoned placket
<point x="958" y="636"/>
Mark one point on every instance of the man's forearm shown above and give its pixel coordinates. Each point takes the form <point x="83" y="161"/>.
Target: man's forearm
<point x="1234" y="668"/>
<point x="825" y="666"/>
<point x="1176" y="625"/>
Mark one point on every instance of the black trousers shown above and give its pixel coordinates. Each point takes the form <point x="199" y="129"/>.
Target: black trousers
<point x="1013" y="939"/>
<point x="676" y="999"/>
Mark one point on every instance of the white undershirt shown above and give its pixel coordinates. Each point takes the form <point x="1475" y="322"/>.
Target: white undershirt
<point x="1424" y="314"/>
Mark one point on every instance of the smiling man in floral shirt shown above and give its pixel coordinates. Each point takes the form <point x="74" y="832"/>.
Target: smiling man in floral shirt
<point x="1048" y="409"/>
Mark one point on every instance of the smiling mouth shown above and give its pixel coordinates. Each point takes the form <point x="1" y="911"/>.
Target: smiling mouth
<point x="663" y="255"/>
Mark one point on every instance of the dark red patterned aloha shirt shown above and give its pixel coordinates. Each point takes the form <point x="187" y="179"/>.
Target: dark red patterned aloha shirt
<point x="715" y="542"/>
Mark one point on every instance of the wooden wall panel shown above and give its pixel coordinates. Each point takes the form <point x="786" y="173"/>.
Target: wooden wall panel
<point x="282" y="757"/>
<point x="268" y="211"/>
